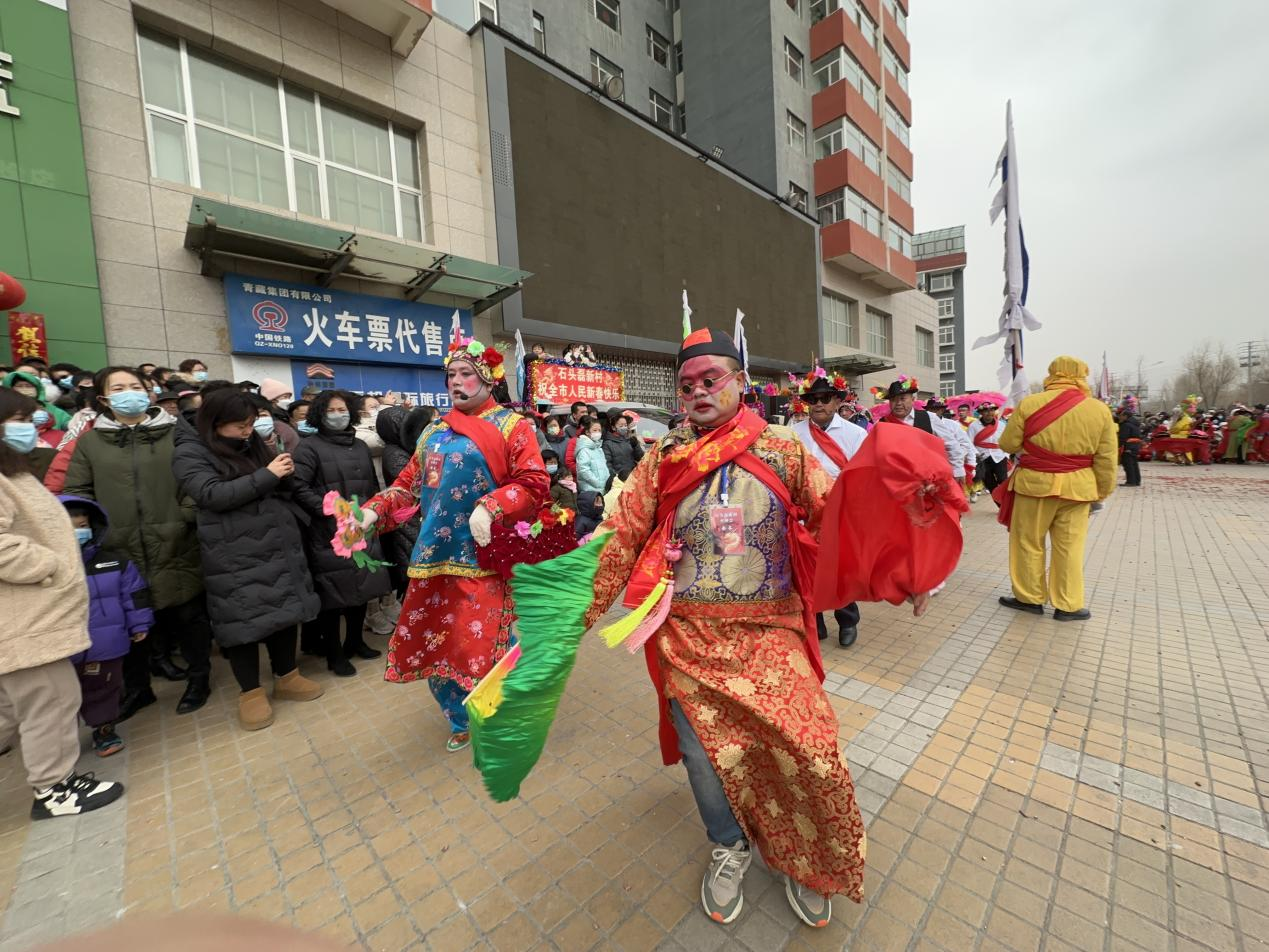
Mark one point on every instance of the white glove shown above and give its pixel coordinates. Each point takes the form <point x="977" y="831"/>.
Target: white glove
<point x="480" y="523"/>
<point x="368" y="518"/>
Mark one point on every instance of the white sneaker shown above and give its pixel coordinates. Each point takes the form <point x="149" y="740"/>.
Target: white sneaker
<point x="721" y="895"/>
<point x="380" y="624"/>
<point x="78" y="793"/>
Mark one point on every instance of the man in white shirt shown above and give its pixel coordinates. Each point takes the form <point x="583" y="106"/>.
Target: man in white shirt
<point x="984" y="433"/>
<point x="833" y="441"/>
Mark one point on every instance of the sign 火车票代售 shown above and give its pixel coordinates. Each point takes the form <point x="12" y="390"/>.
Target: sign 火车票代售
<point x="280" y="319"/>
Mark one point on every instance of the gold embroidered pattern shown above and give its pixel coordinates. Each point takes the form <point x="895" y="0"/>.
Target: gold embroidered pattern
<point x="805" y="827"/>
<point x="729" y="757"/>
<point x="785" y="761"/>
<point x="773" y="808"/>
<point x="741" y="687"/>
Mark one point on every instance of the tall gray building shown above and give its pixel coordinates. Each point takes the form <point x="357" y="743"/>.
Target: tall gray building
<point x="940" y="260"/>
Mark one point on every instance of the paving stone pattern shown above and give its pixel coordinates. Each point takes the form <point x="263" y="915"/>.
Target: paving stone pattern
<point x="1027" y="784"/>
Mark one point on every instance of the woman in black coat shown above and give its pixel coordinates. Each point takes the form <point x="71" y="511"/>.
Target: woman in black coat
<point x="253" y="563"/>
<point x="621" y="448"/>
<point x="400" y="430"/>
<point x="334" y="459"/>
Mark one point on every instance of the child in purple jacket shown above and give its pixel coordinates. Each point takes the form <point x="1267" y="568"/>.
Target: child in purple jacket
<point x="119" y="614"/>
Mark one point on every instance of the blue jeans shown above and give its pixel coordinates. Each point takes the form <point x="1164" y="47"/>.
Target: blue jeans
<point x="720" y="822"/>
<point x="450" y="696"/>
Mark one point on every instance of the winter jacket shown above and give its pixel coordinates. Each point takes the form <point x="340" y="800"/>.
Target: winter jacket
<point x="592" y="468"/>
<point x="118" y="598"/>
<point x="621" y="453"/>
<point x="55" y="476"/>
<point x="590" y="512"/>
<point x="252" y="547"/>
<point x="129" y="471"/>
<point x="59" y="416"/>
<point x="339" y="462"/>
<point x="558" y="444"/>
<point x="400" y="430"/>
<point x="561" y="495"/>
<point x="42" y="590"/>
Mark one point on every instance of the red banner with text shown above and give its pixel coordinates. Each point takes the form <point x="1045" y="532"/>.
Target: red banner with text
<point x="557" y="383"/>
<point x="27" y="337"/>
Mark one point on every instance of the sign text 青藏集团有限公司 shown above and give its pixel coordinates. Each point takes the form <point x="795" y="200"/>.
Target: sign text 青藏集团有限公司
<point x="280" y="319"/>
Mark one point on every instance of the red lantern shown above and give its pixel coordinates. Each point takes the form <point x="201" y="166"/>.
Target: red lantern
<point x="12" y="294"/>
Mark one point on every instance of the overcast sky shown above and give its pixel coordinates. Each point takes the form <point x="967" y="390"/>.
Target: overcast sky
<point x="1142" y="130"/>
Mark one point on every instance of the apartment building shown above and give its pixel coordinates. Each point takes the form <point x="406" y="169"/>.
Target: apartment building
<point x="940" y="260"/>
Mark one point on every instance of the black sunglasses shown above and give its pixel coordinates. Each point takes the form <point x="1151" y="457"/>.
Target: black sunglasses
<point x="813" y="398"/>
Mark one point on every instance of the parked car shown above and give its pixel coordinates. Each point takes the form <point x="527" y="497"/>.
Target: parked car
<point x="654" y="422"/>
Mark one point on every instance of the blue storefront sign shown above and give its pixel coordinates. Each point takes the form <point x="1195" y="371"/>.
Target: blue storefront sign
<point x="422" y="387"/>
<point x="279" y="319"/>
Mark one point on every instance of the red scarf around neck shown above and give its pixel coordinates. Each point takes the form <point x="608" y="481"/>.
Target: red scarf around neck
<point x="487" y="437"/>
<point x="828" y="445"/>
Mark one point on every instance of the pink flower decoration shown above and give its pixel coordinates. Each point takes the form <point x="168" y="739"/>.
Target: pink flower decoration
<point x="770" y="390"/>
<point x="328" y="502"/>
<point x="820" y="373"/>
<point x="523" y="529"/>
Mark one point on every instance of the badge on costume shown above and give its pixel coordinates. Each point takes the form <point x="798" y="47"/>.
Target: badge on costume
<point x="728" y="525"/>
<point x="432" y="467"/>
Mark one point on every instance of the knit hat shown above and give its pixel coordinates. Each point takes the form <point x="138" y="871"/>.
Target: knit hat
<point x="271" y="389"/>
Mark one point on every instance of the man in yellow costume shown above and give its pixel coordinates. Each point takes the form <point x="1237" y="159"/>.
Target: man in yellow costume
<point x="1069" y="446"/>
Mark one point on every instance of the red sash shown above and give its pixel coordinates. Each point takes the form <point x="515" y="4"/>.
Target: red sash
<point x="983" y="435"/>
<point x="1037" y="458"/>
<point x="828" y="445"/>
<point x="488" y="439"/>
<point x="682" y="469"/>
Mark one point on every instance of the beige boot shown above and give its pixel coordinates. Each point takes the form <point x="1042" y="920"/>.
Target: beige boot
<point x="254" y="712"/>
<point x="293" y="686"/>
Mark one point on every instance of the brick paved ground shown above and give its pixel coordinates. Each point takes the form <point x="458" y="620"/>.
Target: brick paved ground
<point x="1028" y="785"/>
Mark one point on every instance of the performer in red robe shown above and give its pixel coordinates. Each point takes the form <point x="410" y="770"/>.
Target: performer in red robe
<point x="478" y="463"/>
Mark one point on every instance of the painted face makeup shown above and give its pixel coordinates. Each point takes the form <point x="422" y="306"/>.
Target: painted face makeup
<point x="706" y="388"/>
<point x="466" y="389"/>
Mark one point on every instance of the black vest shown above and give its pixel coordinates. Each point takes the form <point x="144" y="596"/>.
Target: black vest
<point x="921" y="420"/>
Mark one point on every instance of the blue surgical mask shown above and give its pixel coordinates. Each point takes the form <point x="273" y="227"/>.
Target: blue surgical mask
<point x="200" y="375"/>
<point x="65" y="383"/>
<point x="20" y="435"/>
<point x="157" y="391"/>
<point x="306" y="428"/>
<point x="84" y="534"/>
<point x="39" y="417"/>
<point x="552" y="468"/>
<point x="264" y="425"/>
<point x="337" y="421"/>
<point x="130" y="402"/>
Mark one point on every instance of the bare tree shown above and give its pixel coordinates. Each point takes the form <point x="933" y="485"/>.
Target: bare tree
<point x="1210" y="368"/>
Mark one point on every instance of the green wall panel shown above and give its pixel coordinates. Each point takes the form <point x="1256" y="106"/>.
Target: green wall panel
<point x="70" y="312"/>
<point x="88" y="356"/>
<point x="60" y="248"/>
<point x="13" y="257"/>
<point x="37" y="33"/>
<point x="8" y="153"/>
<point x="50" y="144"/>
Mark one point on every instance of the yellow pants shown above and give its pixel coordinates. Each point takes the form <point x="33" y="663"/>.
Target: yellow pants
<point x="1066" y="525"/>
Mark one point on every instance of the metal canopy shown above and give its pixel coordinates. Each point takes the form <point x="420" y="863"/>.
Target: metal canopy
<point x="858" y="364"/>
<point x="226" y="236"/>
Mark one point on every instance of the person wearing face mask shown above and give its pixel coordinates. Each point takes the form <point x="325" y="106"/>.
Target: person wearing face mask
<point x="119" y="615"/>
<point x="477" y="464"/>
<point x="334" y="460"/>
<point x="592" y="467"/>
<point x="258" y="583"/>
<point x="277" y="393"/>
<point x="45" y="599"/>
<point x="31" y="385"/>
<point x="21" y="435"/>
<point x="622" y="450"/>
<point x="194" y="368"/>
<point x="556" y="438"/>
<point x="124" y="463"/>
<point x="563" y="486"/>
<point x="278" y="435"/>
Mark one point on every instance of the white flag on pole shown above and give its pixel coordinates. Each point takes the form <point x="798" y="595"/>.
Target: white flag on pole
<point x="739" y="337"/>
<point x="687" y="316"/>
<point x="520" y="355"/>
<point x="1014" y="316"/>
<point x="456" y="329"/>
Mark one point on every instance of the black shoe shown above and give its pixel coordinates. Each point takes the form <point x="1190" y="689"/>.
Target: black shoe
<point x="341" y="667"/>
<point x="162" y="666"/>
<point x="78" y="793"/>
<point x="846" y="636"/>
<point x="1082" y="615"/>
<point x="361" y="650"/>
<point x="133" y="702"/>
<point x="1011" y="602"/>
<point x="821" y="629"/>
<point x="196" y="693"/>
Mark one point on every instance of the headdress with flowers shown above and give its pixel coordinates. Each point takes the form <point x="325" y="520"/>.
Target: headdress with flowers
<point x="486" y="360"/>
<point x="802" y="385"/>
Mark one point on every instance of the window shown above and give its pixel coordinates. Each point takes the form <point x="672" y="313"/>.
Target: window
<point x="947" y="363"/>
<point x="608" y="12"/>
<point x="602" y="70"/>
<point x="877" y="329"/>
<point x="924" y="347"/>
<point x="947" y="388"/>
<point x="793" y="62"/>
<point x="846" y="204"/>
<point x="901" y="184"/>
<point x="895" y="67"/>
<point x="839" y="319"/>
<point x="797" y="196"/>
<point x="900" y="238"/>
<point x="539" y="32"/>
<point x="947" y="307"/>
<point x="854" y="12"/>
<point x="678" y="58"/>
<point x="838" y="65"/>
<point x="221" y="127"/>
<point x="941" y="282"/>
<point x="795" y="132"/>
<point x="900" y="17"/>
<point x="822" y="8"/>
<point x="487" y="10"/>
<point x="683" y="118"/>
<point x="947" y="334"/>
<point x="658" y="48"/>
<point x="661" y="109"/>
<point x="895" y="123"/>
<point x="844" y="134"/>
